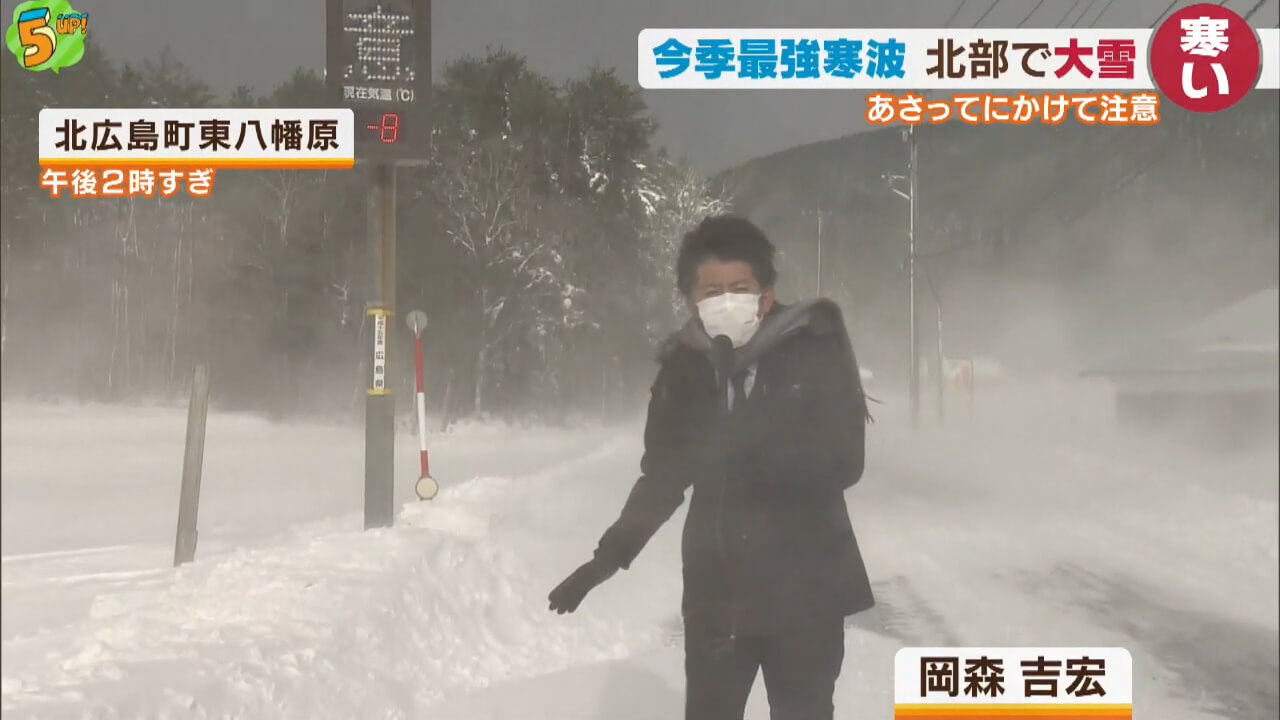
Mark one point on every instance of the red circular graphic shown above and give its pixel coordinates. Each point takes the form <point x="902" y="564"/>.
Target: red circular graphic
<point x="1220" y="49"/>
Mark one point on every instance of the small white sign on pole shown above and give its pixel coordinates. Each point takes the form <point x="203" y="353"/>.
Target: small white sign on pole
<point x="379" y="383"/>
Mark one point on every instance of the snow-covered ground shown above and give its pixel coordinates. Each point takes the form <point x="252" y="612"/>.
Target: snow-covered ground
<point x="1032" y="522"/>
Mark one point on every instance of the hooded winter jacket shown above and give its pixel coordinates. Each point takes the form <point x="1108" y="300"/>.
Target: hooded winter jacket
<point x="767" y="540"/>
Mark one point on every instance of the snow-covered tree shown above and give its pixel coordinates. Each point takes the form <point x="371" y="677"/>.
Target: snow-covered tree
<point x="494" y="189"/>
<point x="675" y="198"/>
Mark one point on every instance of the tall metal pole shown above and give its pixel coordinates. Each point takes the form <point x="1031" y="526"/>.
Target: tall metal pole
<point x="380" y="409"/>
<point x="940" y="379"/>
<point x="913" y="386"/>
<point x="819" y="294"/>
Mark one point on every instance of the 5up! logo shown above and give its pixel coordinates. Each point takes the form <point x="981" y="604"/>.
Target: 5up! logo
<point x="47" y="35"/>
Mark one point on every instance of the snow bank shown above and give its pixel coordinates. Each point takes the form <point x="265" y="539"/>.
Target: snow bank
<point x="1032" y="522"/>
<point x="328" y="621"/>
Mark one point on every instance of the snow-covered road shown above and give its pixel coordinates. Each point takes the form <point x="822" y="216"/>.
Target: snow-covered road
<point x="1002" y="529"/>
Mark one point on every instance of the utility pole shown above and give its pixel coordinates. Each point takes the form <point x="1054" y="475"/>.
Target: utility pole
<point x="819" y="208"/>
<point x="380" y="406"/>
<point x="371" y="47"/>
<point x="818" y="212"/>
<point x="913" y="352"/>
<point x="913" y="341"/>
<point x="939" y="356"/>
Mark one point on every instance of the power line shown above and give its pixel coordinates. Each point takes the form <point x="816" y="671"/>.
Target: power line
<point x="1083" y="12"/>
<point x="955" y="13"/>
<point x="1166" y="12"/>
<point x="1069" y="11"/>
<point x="1033" y="12"/>
<point x="978" y="22"/>
<point x="1093" y="143"/>
<point x="1098" y="17"/>
<point x="964" y="245"/>
<point x="1254" y="9"/>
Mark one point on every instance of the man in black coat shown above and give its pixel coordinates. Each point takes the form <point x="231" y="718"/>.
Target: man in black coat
<point x="759" y="408"/>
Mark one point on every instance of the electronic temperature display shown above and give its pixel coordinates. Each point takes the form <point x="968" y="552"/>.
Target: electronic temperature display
<point x="379" y="65"/>
<point x="377" y="126"/>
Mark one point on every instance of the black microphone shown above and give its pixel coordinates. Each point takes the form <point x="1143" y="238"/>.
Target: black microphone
<point x="722" y="359"/>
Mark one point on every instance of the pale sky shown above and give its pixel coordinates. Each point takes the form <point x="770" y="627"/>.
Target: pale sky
<point x="260" y="42"/>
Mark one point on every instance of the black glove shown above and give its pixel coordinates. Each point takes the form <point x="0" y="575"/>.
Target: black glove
<point x="568" y="595"/>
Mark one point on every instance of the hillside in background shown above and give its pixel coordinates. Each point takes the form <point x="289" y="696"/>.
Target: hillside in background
<point x="1046" y="245"/>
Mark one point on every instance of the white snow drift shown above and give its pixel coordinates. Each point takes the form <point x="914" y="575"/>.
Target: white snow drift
<point x="1007" y="528"/>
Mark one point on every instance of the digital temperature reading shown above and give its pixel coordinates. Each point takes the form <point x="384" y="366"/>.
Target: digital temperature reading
<point x="387" y="128"/>
<point x="379" y="65"/>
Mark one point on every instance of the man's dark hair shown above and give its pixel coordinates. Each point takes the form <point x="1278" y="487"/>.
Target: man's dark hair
<point x="726" y="238"/>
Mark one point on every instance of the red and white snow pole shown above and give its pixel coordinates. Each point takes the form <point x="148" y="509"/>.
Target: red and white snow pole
<point x="426" y="487"/>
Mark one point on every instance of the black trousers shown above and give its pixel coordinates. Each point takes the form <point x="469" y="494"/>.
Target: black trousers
<point x="800" y="667"/>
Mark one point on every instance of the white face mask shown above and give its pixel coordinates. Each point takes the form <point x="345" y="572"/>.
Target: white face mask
<point x="736" y="315"/>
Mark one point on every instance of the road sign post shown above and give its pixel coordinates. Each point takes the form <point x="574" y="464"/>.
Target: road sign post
<point x="184" y="547"/>
<point x="378" y="63"/>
